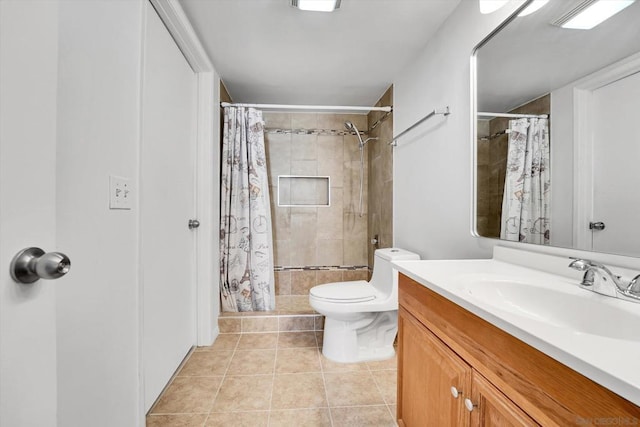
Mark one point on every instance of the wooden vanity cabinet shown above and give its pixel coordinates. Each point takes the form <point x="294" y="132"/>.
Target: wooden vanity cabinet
<point x="434" y="383"/>
<point x="428" y="370"/>
<point x="493" y="408"/>
<point x="498" y="379"/>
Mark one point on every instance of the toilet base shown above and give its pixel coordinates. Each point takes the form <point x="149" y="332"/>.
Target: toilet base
<point x="368" y="338"/>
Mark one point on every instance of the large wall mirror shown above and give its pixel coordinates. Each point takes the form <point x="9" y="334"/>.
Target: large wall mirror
<point x="557" y="119"/>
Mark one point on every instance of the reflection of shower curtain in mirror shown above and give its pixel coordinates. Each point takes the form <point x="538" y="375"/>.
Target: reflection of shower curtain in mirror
<point x="525" y="204"/>
<point x="246" y="250"/>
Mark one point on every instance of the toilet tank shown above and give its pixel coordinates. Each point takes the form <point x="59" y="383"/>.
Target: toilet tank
<point x="383" y="277"/>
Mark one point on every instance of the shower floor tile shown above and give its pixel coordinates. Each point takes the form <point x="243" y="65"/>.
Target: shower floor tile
<point x="222" y="385"/>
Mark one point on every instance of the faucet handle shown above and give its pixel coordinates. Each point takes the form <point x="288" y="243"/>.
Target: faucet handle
<point x="634" y="286"/>
<point x="597" y="276"/>
<point x="581" y="264"/>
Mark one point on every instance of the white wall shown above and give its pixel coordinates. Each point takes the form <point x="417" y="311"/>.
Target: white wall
<point x="432" y="165"/>
<point x="98" y="135"/>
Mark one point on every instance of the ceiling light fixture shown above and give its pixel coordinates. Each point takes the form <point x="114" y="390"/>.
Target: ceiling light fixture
<point x="490" y="6"/>
<point x="316" y="5"/>
<point x="533" y="7"/>
<point x="590" y="13"/>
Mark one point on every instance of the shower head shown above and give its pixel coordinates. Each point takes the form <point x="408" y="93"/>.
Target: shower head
<point x="352" y="128"/>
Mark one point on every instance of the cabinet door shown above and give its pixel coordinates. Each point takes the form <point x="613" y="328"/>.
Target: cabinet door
<point x="427" y="369"/>
<point x="492" y="408"/>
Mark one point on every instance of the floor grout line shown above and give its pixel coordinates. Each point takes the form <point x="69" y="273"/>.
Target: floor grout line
<point x="273" y="377"/>
<point x="324" y="380"/>
<point x="384" y="399"/>
<point x="224" y="377"/>
<point x="393" y="416"/>
<point x="373" y="405"/>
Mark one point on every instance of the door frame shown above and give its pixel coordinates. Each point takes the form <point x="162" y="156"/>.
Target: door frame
<point x="207" y="167"/>
<point x="583" y="143"/>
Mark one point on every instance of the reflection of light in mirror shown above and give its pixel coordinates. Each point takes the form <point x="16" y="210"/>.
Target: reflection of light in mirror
<point x="489" y="6"/>
<point x="595" y="14"/>
<point x="533" y="7"/>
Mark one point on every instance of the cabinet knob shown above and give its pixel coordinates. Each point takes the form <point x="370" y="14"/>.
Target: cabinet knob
<point x="455" y="392"/>
<point x="469" y="405"/>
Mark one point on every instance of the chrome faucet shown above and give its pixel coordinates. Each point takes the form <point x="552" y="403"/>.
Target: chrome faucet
<point x="598" y="278"/>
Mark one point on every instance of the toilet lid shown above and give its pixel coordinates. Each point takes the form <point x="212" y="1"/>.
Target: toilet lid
<point x="347" y="292"/>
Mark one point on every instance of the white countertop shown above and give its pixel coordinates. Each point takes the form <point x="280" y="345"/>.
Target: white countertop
<point x="611" y="362"/>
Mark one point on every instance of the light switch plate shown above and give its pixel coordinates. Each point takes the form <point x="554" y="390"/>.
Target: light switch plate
<point x="120" y="193"/>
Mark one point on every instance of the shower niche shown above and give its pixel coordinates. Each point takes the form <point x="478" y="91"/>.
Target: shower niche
<point x="304" y="191"/>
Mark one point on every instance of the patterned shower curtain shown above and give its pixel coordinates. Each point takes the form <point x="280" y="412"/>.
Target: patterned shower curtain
<point x="526" y="200"/>
<point x="246" y="250"/>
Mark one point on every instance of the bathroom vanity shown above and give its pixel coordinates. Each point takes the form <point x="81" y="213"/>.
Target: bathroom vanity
<point x="464" y="359"/>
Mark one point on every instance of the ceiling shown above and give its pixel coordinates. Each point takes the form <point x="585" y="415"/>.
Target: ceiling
<point x="267" y="51"/>
<point x="530" y="57"/>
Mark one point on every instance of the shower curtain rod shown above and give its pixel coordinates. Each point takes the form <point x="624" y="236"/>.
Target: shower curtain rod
<point x="521" y="116"/>
<point x="495" y="135"/>
<point x="307" y="107"/>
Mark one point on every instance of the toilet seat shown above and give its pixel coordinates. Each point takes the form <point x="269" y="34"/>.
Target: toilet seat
<point x="344" y="292"/>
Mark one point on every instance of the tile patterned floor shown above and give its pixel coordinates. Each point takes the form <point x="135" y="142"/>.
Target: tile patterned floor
<point x="276" y="379"/>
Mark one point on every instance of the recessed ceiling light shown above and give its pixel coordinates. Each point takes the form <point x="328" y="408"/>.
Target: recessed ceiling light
<point x="590" y="13"/>
<point x="490" y="6"/>
<point x="533" y="7"/>
<point x="316" y="5"/>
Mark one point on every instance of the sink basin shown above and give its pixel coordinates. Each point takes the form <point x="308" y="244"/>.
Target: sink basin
<point x="537" y="299"/>
<point x="576" y="309"/>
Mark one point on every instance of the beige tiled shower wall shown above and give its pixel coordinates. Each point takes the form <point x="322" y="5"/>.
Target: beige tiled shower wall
<point x="484" y="189"/>
<point x="380" y="153"/>
<point x="316" y="236"/>
<point x="492" y="167"/>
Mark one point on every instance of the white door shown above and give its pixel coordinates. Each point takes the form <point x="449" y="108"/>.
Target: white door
<point x="167" y="204"/>
<point x="616" y="156"/>
<point x="28" y="82"/>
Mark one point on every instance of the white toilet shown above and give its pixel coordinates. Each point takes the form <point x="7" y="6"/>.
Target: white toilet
<point x="361" y="318"/>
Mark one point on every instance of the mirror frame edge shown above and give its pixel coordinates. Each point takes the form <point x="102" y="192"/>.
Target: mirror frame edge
<point x="474" y="120"/>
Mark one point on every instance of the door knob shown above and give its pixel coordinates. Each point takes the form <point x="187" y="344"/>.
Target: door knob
<point x="193" y="223"/>
<point x="596" y="225"/>
<point x="32" y="264"/>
